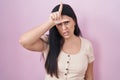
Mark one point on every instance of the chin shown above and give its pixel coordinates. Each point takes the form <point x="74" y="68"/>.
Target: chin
<point x="66" y="37"/>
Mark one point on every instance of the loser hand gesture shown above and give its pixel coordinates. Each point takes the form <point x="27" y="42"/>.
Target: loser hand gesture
<point x="56" y="16"/>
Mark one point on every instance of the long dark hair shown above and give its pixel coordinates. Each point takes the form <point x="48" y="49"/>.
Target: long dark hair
<point x="56" y="41"/>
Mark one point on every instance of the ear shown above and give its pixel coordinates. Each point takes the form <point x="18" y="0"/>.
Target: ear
<point x="74" y="22"/>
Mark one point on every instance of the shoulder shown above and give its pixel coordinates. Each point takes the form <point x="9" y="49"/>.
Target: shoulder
<point x="87" y="46"/>
<point x="88" y="49"/>
<point x="87" y="43"/>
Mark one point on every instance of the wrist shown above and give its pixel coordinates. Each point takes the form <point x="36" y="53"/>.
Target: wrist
<point x="51" y="23"/>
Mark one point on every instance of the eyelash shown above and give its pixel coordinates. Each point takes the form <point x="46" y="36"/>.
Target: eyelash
<point x="59" y="24"/>
<point x="66" y="22"/>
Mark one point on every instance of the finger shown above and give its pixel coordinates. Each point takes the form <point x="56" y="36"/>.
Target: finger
<point x="58" y="16"/>
<point x="61" y="6"/>
<point x="55" y="15"/>
<point x="52" y="16"/>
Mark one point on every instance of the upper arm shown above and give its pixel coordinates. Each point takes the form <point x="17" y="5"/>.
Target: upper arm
<point x="91" y="58"/>
<point x="39" y="45"/>
<point x="89" y="72"/>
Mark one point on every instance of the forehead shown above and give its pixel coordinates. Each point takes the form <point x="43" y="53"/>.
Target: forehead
<point x="65" y="18"/>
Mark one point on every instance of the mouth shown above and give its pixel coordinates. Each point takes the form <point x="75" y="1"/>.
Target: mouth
<point x="66" y="33"/>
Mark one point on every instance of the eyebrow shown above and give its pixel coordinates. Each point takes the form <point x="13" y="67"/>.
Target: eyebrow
<point x="64" y="21"/>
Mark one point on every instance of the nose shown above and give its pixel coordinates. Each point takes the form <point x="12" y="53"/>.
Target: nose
<point x="64" y="27"/>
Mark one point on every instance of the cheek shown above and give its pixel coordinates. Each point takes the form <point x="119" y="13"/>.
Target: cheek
<point x="72" y="28"/>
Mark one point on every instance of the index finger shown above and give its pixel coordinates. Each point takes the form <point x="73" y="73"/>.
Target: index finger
<point x="61" y="6"/>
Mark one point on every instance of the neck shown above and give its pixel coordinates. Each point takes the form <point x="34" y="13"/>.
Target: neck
<point x="71" y="39"/>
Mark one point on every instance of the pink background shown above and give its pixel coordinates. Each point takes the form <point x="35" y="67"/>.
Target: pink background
<point x="99" y="21"/>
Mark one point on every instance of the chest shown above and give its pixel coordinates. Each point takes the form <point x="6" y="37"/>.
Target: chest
<point x="73" y="47"/>
<point x="72" y="63"/>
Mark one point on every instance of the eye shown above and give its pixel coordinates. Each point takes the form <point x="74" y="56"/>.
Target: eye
<point x="60" y="24"/>
<point x="66" y="22"/>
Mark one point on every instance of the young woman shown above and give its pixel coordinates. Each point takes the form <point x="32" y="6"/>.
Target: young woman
<point x="68" y="56"/>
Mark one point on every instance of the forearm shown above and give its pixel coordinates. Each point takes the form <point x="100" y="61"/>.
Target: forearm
<point x="89" y="77"/>
<point x="34" y="34"/>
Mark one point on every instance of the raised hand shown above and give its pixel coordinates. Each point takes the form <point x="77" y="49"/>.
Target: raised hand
<point x="56" y="16"/>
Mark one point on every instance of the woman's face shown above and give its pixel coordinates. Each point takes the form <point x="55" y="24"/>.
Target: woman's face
<point x="66" y="27"/>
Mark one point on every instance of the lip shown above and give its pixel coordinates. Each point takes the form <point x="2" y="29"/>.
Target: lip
<point x="65" y="33"/>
